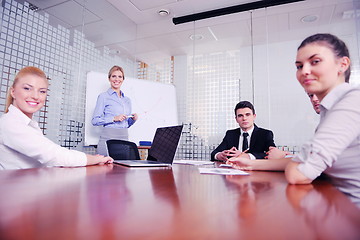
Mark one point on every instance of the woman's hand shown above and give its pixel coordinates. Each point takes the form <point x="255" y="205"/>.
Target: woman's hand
<point x="123" y="117"/>
<point x="275" y="153"/>
<point x="135" y="116"/>
<point x="119" y="118"/>
<point x="98" y="159"/>
<point x="241" y="163"/>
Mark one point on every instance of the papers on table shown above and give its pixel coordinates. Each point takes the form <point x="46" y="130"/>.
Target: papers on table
<point x="222" y="171"/>
<point x="218" y="171"/>
<point x="193" y="162"/>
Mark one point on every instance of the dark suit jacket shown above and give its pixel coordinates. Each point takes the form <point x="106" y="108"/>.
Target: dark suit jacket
<point x="261" y="140"/>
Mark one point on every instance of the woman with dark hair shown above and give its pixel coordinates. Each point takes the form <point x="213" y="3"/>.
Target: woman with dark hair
<point x="323" y="69"/>
<point x="113" y="111"/>
<point x="22" y="144"/>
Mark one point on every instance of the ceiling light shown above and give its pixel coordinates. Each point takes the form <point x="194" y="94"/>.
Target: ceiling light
<point x="114" y="51"/>
<point x="213" y="34"/>
<point x="351" y="14"/>
<point x="309" y="18"/>
<point x="196" y="37"/>
<point x="163" y="12"/>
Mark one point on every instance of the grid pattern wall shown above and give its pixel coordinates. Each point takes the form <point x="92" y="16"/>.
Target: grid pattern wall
<point x="191" y="146"/>
<point x="211" y="93"/>
<point x="158" y="72"/>
<point x="27" y="39"/>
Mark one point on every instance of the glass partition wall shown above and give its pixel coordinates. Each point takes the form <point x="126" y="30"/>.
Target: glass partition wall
<point x="255" y="61"/>
<point x="221" y="61"/>
<point x="30" y="37"/>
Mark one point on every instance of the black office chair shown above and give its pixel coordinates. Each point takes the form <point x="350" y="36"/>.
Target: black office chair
<point x="122" y="150"/>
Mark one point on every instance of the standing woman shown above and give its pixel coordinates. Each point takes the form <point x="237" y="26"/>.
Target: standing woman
<point x="22" y="144"/>
<point x="113" y="111"/>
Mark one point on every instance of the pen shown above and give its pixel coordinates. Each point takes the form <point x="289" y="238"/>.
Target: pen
<point x="245" y="150"/>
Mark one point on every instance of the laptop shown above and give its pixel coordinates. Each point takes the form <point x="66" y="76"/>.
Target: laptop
<point x="162" y="151"/>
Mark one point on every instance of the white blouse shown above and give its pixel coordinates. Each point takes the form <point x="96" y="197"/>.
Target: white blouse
<point x="22" y="145"/>
<point x="335" y="147"/>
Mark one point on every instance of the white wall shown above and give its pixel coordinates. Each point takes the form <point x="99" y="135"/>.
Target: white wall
<point x="280" y="98"/>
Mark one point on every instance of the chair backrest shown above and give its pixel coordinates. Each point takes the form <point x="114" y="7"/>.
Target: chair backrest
<point x="122" y="150"/>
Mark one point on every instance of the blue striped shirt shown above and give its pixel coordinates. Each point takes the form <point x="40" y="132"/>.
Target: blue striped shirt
<point x="109" y="105"/>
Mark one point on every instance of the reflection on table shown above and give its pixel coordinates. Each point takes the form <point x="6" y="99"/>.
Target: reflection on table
<point x="115" y="202"/>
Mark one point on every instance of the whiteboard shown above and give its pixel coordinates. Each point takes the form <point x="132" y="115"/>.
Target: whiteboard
<point x="155" y="104"/>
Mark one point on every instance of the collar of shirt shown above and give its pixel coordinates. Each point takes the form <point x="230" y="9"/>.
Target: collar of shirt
<point x="21" y="116"/>
<point x="333" y="96"/>
<point x="250" y="131"/>
<point x="241" y="138"/>
<point x="111" y="91"/>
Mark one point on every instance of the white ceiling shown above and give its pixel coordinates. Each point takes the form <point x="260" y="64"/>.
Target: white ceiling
<point x="134" y="27"/>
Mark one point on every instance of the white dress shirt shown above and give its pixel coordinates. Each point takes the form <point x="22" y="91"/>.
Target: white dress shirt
<point x="335" y="147"/>
<point x="22" y="145"/>
<point x="241" y="138"/>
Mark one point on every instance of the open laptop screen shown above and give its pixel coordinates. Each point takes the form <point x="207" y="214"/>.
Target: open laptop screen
<point x="165" y="143"/>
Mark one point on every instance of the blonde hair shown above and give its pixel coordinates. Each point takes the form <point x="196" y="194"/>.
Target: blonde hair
<point x="23" y="72"/>
<point x="116" y="68"/>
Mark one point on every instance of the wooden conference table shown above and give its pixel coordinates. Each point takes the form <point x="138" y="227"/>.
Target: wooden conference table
<point x="115" y="202"/>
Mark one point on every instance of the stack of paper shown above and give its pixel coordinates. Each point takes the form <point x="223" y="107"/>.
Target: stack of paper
<point x="193" y="162"/>
<point x="222" y="171"/>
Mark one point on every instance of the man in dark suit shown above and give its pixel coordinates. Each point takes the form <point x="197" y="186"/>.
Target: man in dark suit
<point x="236" y="141"/>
